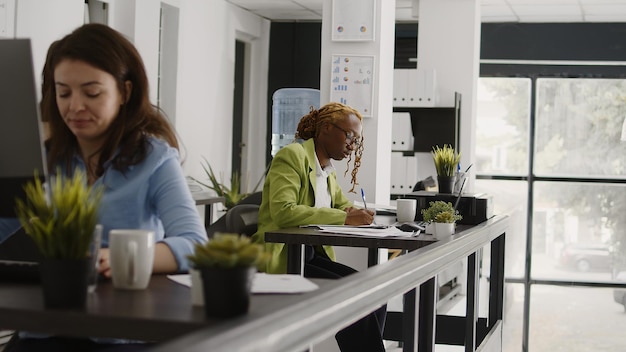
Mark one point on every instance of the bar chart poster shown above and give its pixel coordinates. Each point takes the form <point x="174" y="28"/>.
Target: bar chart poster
<point x="351" y="82"/>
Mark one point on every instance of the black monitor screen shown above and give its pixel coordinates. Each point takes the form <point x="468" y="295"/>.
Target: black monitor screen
<point x="21" y="146"/>
<point x="432" y="126"/>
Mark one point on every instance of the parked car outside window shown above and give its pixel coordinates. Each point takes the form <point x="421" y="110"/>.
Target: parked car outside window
<point x="586" y="257"/>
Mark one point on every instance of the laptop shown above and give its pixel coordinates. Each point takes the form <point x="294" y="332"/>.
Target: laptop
<point x="21" y="152"/>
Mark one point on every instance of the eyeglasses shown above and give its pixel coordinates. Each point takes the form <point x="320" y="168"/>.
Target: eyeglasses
<point x="350" y="137"/>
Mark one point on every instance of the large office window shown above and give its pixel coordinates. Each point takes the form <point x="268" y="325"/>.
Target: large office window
<point x="552" y="153"/>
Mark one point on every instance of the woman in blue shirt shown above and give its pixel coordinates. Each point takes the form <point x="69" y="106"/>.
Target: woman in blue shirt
<point x="95" y="101"/>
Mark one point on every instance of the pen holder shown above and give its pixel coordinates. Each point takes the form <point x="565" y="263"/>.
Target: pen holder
<point x="458" y="183"/>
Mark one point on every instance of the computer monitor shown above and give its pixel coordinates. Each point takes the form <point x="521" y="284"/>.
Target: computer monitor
<point x="21" y="132"/>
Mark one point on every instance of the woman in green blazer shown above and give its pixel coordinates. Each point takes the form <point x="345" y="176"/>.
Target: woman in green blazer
<point x="301" y="189"/>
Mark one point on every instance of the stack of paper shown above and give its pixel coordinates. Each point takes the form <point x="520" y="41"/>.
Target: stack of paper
<point x="368" y="230"/>
<point x="266" y="283"/>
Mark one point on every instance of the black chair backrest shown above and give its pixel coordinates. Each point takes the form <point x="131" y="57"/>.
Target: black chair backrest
<point x="253" y="198"/>
<point x="242" y="219"/>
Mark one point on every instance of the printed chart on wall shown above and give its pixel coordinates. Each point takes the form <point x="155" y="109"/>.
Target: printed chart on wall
<point x="351" y="81"/>
<point x="353" y="20"/>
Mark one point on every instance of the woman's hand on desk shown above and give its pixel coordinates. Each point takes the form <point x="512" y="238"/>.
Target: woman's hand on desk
<point x="104" y="265"/>
<point x="356" y="216"/>
<point x="164" y="261"/>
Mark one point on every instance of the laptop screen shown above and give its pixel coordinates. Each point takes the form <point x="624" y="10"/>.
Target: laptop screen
<point x="21" y="142"/>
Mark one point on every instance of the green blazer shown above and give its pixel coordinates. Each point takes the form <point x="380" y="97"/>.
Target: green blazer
<point x="289" y="200"/>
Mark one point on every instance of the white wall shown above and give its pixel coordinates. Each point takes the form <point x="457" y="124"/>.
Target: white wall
<point x="44" y="22"/>
<point x="374" y="176"/>
<point x="449" y="42"/>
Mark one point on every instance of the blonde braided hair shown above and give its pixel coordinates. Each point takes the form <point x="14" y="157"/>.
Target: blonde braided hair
<point x="333" y="112"/>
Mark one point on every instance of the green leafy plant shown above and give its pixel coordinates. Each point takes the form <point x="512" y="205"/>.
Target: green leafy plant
<point x="446" y="160"/>
<point x="229" y="250"/>
<point x="232" y="194"/>
<point x="62" y="224"/>
<point x="440" y="211"/>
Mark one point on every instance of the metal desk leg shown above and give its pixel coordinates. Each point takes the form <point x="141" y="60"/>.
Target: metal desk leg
<point x="496" y="278"/>
<point x="208" y="215"/>
<point x="295" y="259"/>
<point x="471" y="309"/>
<point x="427" y="313"/>
<point x="372" y="257"/>
<point x="409" y="317"/>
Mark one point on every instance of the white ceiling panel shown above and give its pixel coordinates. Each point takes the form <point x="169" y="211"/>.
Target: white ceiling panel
<point x="550" y="19"/>
<point x="496" y="10"/>
<point x="491" y="10"/>
<point x="595" y="10"/>
<point x="547" y="10"/>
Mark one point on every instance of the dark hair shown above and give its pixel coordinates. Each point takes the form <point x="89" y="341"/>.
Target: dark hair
<point x="333" y="112"/>
<point x="108" y="50"/>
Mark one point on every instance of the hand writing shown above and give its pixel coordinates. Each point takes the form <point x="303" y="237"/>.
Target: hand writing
<point x="357" y="216"/>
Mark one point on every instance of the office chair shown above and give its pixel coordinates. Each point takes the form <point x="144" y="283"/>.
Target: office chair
<point x="242" y="219"/>
<point x="218" y="226"/>
<point x="253" y="198"/>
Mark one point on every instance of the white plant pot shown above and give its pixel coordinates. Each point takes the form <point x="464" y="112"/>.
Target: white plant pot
<point x="443" y="230"/>
<point x="430" y="228"/>
<point x="197" y="291"/>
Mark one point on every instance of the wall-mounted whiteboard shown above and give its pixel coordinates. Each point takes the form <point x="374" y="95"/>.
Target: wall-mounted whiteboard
<point x="353" y="20"/>
<point x="351" y="81"/>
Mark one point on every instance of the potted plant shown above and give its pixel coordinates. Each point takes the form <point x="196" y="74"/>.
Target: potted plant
<point x="446" y="164"/>
<point x="61" y="222"/>
<point x="227" y="264"/>
<point x="232" y="194"/>
<point x="443" y="218"/>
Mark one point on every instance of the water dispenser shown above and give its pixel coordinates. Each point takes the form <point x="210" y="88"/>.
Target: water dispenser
<point x="288" y="107"/>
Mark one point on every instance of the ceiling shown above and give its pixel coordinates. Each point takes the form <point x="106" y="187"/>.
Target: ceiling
<point x="491" y="10"/>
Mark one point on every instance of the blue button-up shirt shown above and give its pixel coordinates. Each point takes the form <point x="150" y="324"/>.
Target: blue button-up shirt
<point x="151" y="195"/>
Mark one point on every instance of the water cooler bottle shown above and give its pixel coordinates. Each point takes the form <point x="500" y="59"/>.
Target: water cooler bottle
<point x="288" y="107"/>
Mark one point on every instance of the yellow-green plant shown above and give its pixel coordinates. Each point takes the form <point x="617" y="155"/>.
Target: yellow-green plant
<point x="232" y="194"/>
<point x="446" y="160"/>
<point x="440" y="211"/>
<point x="61" y="222"/>
<point x="228" y="250"/>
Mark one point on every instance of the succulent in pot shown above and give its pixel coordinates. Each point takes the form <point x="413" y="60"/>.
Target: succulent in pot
<point x="227" y="264"/>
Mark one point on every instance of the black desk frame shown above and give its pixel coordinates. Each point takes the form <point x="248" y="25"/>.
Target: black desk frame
<point x="425" y="320"/>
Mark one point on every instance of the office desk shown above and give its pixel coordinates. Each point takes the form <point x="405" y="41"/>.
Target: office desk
<point x="161" y="312"/>
<point x="295" y="238"/>
<point x="413" y="321"/>
<point x="207" y="199"/>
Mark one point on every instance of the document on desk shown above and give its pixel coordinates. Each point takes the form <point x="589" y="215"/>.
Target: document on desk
<point x="266" y="283"/>
<point x="369" y="230"/>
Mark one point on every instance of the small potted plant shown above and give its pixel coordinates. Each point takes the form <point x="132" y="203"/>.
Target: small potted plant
<point x="227" y="264"/>
<point x="61" y="222"/>
<point x="232" y="194"/>
<point x="443" y="218"/>
<point x="446" y="164"/>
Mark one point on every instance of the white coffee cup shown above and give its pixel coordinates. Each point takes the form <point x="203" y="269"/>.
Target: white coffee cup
<point x="131" y="253"/>
<point x="405" y="209"/>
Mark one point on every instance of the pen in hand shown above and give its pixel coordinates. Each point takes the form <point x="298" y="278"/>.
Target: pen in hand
<point x="363" y="197"/>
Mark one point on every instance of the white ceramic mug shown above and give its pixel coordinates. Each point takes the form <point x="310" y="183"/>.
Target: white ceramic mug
<point x="405" y="209"/>
<point x="131" y="253"/>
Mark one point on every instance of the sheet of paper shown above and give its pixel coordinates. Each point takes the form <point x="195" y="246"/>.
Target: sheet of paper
<point x="371" y="226"/>
<point x="266" y="283"/>
<point x="386" y="231"/>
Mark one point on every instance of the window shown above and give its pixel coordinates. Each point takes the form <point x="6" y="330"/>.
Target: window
<point x="556" y="165"/>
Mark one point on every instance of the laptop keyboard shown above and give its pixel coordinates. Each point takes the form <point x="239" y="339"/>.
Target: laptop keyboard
<point x="18" y="271"/>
